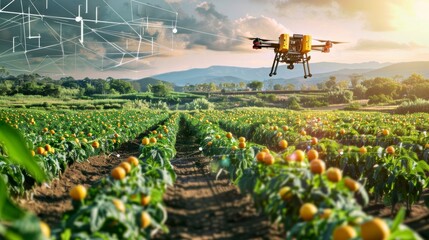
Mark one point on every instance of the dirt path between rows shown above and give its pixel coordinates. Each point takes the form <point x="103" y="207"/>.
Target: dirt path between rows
<point x="201" y="207"/>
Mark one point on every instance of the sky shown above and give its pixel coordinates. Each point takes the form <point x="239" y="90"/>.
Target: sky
<point x="136" y="38"/>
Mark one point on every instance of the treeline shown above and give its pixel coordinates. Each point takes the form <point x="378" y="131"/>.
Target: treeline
<point x="34" y="84"/>
<point x="380" y="90"/>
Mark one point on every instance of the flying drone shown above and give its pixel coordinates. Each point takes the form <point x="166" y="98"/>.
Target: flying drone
<point x="293" y="49"/>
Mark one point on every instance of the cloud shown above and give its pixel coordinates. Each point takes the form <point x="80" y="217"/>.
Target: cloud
<point x="377" y="45"/>
<point x="261" y="26"/>
<point x="210" y="29"/>
<point x="213" y="30"/>
<point x="379" y="15"/>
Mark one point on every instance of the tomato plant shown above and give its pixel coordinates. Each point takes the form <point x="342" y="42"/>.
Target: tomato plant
<point x="282" y="178"/>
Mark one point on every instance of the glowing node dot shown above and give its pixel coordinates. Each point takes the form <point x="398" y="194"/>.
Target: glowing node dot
<point x="174" y="30"/>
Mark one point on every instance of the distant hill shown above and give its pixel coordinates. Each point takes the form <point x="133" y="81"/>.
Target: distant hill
<point x="321" y="72"/>
<point x="403" y="69"/>
<point x="317" y="78"/>
<point x="213" y="79"/>
<point x="218" y="74"/>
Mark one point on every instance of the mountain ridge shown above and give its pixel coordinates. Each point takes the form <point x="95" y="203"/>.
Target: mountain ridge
<point x="321" y="72"/>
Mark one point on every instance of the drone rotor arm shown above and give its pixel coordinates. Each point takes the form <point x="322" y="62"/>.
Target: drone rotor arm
<point x="266" y="40"/>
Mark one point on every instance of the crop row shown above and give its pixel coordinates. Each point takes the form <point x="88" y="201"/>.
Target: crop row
<point x="61" y="138"/>
<point x="393" y="167"/>
<point x="128" y="203"/>
<point x="292" y="187"/>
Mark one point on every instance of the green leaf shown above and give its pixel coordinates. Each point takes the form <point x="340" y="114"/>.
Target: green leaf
<point x="404" y="234"/>
<point x="66" y="235"/>
<point x="8" y="211"/>
<point x="27" y="227"/>
<point x="398" y="219"/>
<point x="14" y="142"/>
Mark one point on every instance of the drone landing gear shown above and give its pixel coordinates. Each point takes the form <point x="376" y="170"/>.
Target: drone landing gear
<point x="275" y="64"/>
<point x="306" y="66"/>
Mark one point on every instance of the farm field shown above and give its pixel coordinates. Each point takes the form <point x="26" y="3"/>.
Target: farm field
<point x="247" y="173"/>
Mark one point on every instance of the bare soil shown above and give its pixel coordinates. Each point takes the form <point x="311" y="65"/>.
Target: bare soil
<point x="202" y="207"/>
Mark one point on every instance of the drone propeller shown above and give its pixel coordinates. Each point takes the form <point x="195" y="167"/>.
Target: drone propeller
<point x="260" y="39"/>
<point x="333" y="42"/>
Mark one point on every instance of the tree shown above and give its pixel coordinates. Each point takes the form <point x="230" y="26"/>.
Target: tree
<point x="331" y="83"/>
<point x="3" y="72"/>
<point x="359" y="91"/>
<point x="69" y="78"/>
<point x="381" y="85"/>
<point x="414" y="79"/>
<point x="70" y="84"/>
<point x="278" y="87"/>
<point x="321" y="86"/>
<point x="121" y="86"/>
<point x="6" y="87"/>
<point x="416" y="85"/>
<point x="89" y="89"/>
<point x="29" y="88"/>
<point x="290" y="87"/>
<point x="160" y="90"/>
<point x="51" y="89"/>
<point x="344" y="84"/>
<point x="242" y="85"/>
<point x="255" y="85"/>
<point x="101" y="86"/>
<point x="355" y="79"/>
<point x="46" y="79"/>
<point x="212" y="87"/>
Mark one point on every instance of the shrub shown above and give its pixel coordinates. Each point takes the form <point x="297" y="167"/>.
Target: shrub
<point x="89" y="107"/>
<point x="312" y="101"/>
<point x="379" y="99"/>
<point x="46" y="105"/>
<point x="200" y="104"/>
<point x="419" y="105"/>
<point x="340" y="96"/>
<point x="256" y="102"/>
<point x="19" y="106"/>
<point x="139" y="104"/>
<point x="159" y="105"/>
<point x="293" y="103"/>
<point x="116" y="106"/>
<point x="353" y="107"/>
<point x="267" y="97"/>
